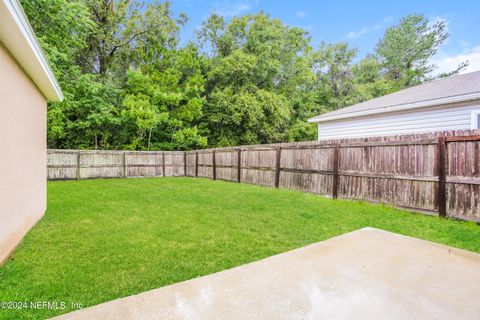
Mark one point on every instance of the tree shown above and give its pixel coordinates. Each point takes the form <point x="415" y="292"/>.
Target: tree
<point x="368" y="82"/>
<point x="88" y="117"/>
<point x="406" y="49"/>
<point x="249" y="116"/>
<point x="211" y="36"/>
<point x="128" y="83"/>
<point x="333" y="66"/>
<point x="253" y="60"/>
<point x="91" y="46"/>
<point x="62" y="28"/>
<point x="163" y="102"/>
<point x="128" y="33"/>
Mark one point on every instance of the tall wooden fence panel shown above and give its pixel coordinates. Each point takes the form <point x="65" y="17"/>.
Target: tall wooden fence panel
<point x="143" y="164"/>
<point x="402" y="173"/>
<point x="100" y="164"/>
<point x="258" y="166"/>
<point x="191" y="158"/>
<point x="226" y="164"/>
<point x="463" y="177"/>
<point x="88" y="164"/>
<point x="174" y="163"/>
<point x="307" y="168"/>
<point x="437" y="173"/>
<point x="205" y="164"/>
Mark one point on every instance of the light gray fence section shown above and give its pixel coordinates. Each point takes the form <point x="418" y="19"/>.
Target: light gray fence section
<point x="88" y="164"/>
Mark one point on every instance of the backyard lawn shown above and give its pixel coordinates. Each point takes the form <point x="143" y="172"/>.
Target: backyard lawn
<point x="105" y="239"/>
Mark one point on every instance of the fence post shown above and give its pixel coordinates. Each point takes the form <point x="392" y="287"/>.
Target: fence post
<point x="184" y="163"/>
<point x="441" y="167"/>
<point x="196" y="164"/>
<point x="124" y="165"/>
<point x="277" y="167"/>
<point x="336" y="159"/>
<point x="163" y="163"/>
<point x="214" y="173"/>
<point x="239" y="165"/>
<point x="78" y="165"/>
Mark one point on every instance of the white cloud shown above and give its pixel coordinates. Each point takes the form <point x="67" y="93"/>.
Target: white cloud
<point x="388" y="19"/>
<point x="308" y="28"/>
<point x="300" y="14"/>
<point x="230" y="9"/>
<point x="450" y="62"/>
<point x="438" y="19"/>
<point x="358" y="33"/>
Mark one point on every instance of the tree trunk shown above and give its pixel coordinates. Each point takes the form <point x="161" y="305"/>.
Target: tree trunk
<point x="149" y="139"/>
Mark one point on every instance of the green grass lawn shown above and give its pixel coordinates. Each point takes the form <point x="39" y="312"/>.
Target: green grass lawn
<point x="105" y="239"/>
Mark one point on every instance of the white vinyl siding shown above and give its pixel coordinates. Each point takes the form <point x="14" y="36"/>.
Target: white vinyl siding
<point x="414" y="121"/>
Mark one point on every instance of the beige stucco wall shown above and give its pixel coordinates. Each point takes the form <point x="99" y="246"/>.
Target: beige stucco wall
<point x="22" y="154"/>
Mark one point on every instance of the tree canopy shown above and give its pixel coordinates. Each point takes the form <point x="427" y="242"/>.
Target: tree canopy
<point x="129" y="84"/>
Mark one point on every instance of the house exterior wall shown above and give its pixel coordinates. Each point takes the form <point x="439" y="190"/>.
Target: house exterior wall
<point x="22" y="154"/>
<point x="452" y="117"/>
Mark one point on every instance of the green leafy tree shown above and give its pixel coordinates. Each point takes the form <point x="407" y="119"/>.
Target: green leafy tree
<point x="253" y="60"/>
<point x="88" y="114"/>
<point x="251" y="79"/>
<point x="62" y="28"/>
<point x="128" y="33"/>
<point x="368" y="82"/>
<point x="164" y="102"/>
<point x="248" y="116"/>
<point x="406" y="49"/>
<point x="91" y="46"/>
<point x="333" y="67"/>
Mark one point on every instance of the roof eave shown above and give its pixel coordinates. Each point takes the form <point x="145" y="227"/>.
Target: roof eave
<point x="401" y="107"/>
<point x="17" y="36"/>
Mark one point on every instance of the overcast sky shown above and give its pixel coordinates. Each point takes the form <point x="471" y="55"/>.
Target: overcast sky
<point x="361" y="23"/>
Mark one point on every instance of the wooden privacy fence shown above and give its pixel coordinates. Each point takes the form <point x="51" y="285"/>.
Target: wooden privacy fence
<point x="436" y="173"/>
<point x="87" y="164"/>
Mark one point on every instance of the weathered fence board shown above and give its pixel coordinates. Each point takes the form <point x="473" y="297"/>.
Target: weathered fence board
<point x="437" y="173"/>
<point x="226" y="164"/>
<point x="88" y="164"/>
<point x="174" y="165"/>
<point x="191" y="163"/>
<point x="143" y="164"/>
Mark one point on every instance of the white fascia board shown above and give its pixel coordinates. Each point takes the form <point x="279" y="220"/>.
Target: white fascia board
<point x="401" y="107"/>
<point x="17" y="36"/>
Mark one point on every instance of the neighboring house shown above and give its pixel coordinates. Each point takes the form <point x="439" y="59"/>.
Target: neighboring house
<point x="447" y="104"/>
<point x="26" y="84"/>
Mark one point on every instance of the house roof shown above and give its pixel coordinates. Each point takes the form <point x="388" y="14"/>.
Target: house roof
<point x="459" y="88"/>
<point x="17" y="36"/>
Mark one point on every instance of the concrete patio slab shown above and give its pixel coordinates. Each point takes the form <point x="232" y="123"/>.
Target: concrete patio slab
<point x="365" y="274"/>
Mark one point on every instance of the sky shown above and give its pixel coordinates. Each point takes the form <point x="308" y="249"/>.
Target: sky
<point x="360" y="23"/>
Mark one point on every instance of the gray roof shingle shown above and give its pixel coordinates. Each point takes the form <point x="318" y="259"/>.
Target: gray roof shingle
<point x="444" y="88"/>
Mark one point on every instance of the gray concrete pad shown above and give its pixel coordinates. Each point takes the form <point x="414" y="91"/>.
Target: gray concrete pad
<point x="365" y="274"/>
